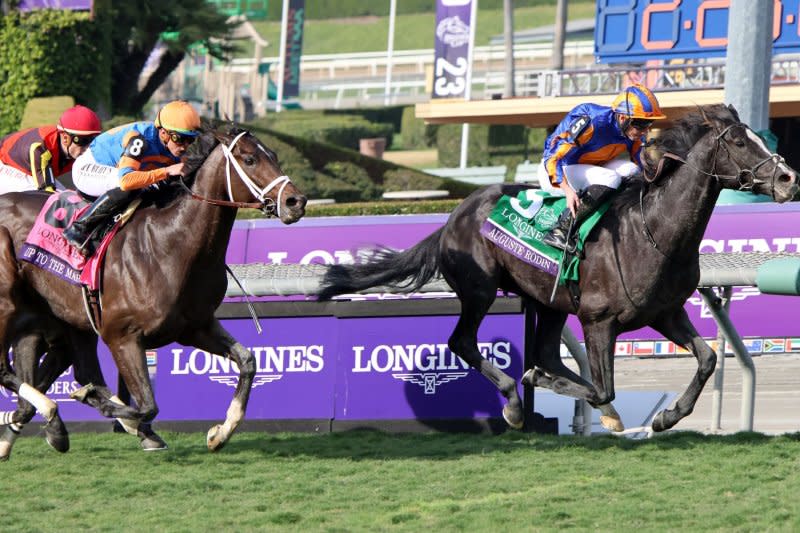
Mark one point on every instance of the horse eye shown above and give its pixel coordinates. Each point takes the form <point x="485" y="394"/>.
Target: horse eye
<point x="739" y="142"/>
<point x="249" y="161"/>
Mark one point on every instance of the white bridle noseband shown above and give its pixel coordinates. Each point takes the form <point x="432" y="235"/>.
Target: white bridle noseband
<point x="260" y="194"/>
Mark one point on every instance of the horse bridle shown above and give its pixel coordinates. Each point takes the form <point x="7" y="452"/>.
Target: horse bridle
<point x="745" y="184"/>
<point x="267" y="205"/>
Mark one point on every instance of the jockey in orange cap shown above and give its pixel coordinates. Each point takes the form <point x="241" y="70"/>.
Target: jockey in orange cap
<point x="123" y="161"/>
<point x="581" y="154"/>
<point x="31" y="159"/>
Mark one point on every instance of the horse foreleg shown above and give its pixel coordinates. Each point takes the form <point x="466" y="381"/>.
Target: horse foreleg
<point x="215" y="339"/>
<point x="677" y="328"/>
<point x="600" y="339"/>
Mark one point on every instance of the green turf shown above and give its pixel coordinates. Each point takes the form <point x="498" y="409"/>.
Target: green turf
<point x="45" y="110"/>
<point x="374" y="481"/>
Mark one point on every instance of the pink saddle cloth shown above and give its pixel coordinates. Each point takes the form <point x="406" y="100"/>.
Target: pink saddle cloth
<point x="47" y="248"/>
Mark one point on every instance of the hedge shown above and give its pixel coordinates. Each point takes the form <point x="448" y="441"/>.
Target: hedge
<point x="342" y="130"/>
<point x="50" y="52"/>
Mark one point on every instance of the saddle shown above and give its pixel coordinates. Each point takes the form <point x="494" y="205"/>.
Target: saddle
<point x="46" y="247"/>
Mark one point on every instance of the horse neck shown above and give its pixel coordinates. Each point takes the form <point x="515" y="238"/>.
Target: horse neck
<point x="207" y="226"/>
<point x="681" y="208"/>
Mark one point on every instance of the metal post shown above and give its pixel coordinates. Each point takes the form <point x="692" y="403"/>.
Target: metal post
<point x="529" y="318"/>
<point x="282" y="54"/>
<point x="569" y="339"/>
<point x="473" y="21"/>
<point x="719" y="373"/>
<point x="740" y="351"/>
<point x="749" y="60"/>
<point x="389" y="53"/>
<point x="559" y="35"/>
<point x="508" y="34"/>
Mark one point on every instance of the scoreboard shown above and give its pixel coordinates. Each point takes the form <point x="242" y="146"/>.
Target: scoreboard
<point x="640" y="30"/>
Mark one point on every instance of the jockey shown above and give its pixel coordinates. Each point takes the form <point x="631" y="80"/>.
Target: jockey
<point x="123" y="161"/>
<point x="31" y="159"/>
<point x="580" y="155"/>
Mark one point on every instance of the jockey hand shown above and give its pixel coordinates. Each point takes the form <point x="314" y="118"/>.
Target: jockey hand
<point x="175" y="170"/>
<point x="571" y="196"/>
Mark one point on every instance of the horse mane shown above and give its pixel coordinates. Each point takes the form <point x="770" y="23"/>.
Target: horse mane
<point x="678" y="139"/>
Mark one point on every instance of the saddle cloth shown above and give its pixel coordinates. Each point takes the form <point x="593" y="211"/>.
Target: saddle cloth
<point x="47" y="248"/>
<point x="518" y="225"/>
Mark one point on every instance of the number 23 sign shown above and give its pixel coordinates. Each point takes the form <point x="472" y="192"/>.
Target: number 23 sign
<point x="451" y="60"/>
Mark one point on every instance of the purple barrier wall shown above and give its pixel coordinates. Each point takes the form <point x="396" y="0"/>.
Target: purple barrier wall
<point x="400" y="367"/>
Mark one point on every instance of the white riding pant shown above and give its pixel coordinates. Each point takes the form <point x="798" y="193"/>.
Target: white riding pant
<point x="93" y="178"/>
<point x="14" y="180"/>
<point x="581" y="176"/>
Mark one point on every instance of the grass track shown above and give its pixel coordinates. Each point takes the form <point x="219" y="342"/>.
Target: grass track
<point x="374" y="481"/>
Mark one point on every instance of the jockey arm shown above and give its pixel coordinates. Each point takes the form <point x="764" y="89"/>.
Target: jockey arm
<point x="130" y="174"/>
<point x="577" y="130"/>
<point x="41" y="166"/>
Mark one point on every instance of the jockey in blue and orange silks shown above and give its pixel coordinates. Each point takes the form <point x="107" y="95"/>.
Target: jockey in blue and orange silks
<point x="123" y="161"/>
<point x="33" y="158"/>
<point x="581" y="154"/>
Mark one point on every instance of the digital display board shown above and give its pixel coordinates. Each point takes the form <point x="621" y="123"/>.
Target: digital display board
<point x="640" y="30"/>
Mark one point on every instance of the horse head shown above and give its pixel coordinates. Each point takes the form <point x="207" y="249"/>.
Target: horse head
<point x="740" y="158"/>
<point x="244" y="173"/>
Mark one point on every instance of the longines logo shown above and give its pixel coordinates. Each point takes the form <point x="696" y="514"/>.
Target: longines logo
<point x="272" y="362"/>
<point x="426" y="365"/>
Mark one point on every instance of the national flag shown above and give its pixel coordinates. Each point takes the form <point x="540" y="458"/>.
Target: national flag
<point x="152" y="357"/>
<point x="774" y="345"/>
<point x="793" y="344"/>
<point x="623" y="348"/>
<point x="664" y="348"/>
<point x="680" y="350"/>
<point x="756" y="346"/>
<point x="643" y="348"/>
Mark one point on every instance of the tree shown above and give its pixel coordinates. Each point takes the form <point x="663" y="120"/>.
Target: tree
<point x="135" y="30"/>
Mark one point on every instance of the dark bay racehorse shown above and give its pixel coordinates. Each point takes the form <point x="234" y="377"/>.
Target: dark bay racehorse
<point x="164" y="276"/>
<point x="641" y="265"/>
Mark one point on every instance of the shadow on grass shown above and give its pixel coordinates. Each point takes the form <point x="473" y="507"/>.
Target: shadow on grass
<point x="370" y="444"/>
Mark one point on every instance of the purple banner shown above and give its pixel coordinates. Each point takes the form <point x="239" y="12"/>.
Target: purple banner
<point x="74" y="5"/>
<point x="294" y="48"/>
<point x="451" y="48"/>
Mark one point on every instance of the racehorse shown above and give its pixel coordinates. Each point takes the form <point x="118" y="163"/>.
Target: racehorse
<point x="641" y="263"/>
<point x="164" y="275"/>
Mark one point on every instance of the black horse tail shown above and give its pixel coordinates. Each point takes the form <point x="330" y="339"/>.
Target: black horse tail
<point x="407" y="270"/>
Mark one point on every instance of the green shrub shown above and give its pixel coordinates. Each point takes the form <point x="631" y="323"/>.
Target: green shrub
<point x="118" y="120"/>
<point x="50" y="52"/>
<point x="448" y="142"/>
<point x="354" y="175"/>
<point x="416" y="134"/>
<point x="342" y="130"/>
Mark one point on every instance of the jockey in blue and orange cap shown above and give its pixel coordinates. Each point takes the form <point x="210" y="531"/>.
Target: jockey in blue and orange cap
<point x="581" y="154"/>
<point x="123" y="161"/>
<point x="32" y="158"/>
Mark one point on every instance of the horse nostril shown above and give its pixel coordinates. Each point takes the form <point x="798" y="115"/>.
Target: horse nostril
<point x="296" y="202"/>
<point x="787" y="178"/>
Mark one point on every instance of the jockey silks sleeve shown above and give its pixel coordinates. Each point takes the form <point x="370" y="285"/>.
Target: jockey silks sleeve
<point x="590" y="135"/>
<point x="36" y="152"/>
<point x="137" y="152"/>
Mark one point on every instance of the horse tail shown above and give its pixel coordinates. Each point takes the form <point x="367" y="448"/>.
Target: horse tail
<point x="407" y="270"/>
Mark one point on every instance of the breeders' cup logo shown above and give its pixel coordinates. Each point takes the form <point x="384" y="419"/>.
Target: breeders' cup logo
<point x="453" y="32"/>
<point x="59" y="391"/>
<point x="426" y="365"/>
<point x="271" y="363"/>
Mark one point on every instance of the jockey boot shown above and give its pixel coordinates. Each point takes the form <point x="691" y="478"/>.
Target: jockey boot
<point x="79" y="233"/>
<point x="590" y="199"/>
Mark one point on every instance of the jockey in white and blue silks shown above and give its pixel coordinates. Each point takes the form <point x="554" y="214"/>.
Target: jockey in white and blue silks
<point x="123" y="161"/>
<point x="582" y="154"/>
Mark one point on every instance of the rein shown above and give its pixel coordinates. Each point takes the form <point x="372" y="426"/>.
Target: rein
<point x="269" y="206"/>
<point x="744" y="184"/>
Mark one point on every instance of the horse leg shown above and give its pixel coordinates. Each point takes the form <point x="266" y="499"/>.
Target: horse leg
<point x="215" y="339"/>
<point x="550" y="371"/>
<point x="600" y="339"/>
<point x="475" y="303"/>
<point x="677" y="328"/>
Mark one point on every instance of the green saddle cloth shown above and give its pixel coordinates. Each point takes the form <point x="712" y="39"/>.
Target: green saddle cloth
<point x="517" y="219"/>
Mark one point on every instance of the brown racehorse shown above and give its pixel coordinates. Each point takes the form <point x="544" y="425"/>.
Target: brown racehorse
<point x="641" y="265"/>
<point x="164" y="274"/>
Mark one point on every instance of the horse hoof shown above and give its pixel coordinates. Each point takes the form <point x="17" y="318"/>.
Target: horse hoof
<point x="153" y="443"/>
<point x="56" y="435"/>
<point x="659" y="423"/>
<point x="5" y="451"/>
<point x="84" y="392"/>
<point x="527" y="378"/>
<point x="214" y="439"/>
<point x="612" y="423"/>
<point x="513" y="417"/>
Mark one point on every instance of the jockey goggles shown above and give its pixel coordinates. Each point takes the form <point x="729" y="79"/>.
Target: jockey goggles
<point x="641" y="123"/>
<point x="82" y="140"/>
<point x="180" y="138"/>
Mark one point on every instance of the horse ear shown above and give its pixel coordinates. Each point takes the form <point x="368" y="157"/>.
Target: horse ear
<point x="703" y="114"/>
<point x="734" y="112"/>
